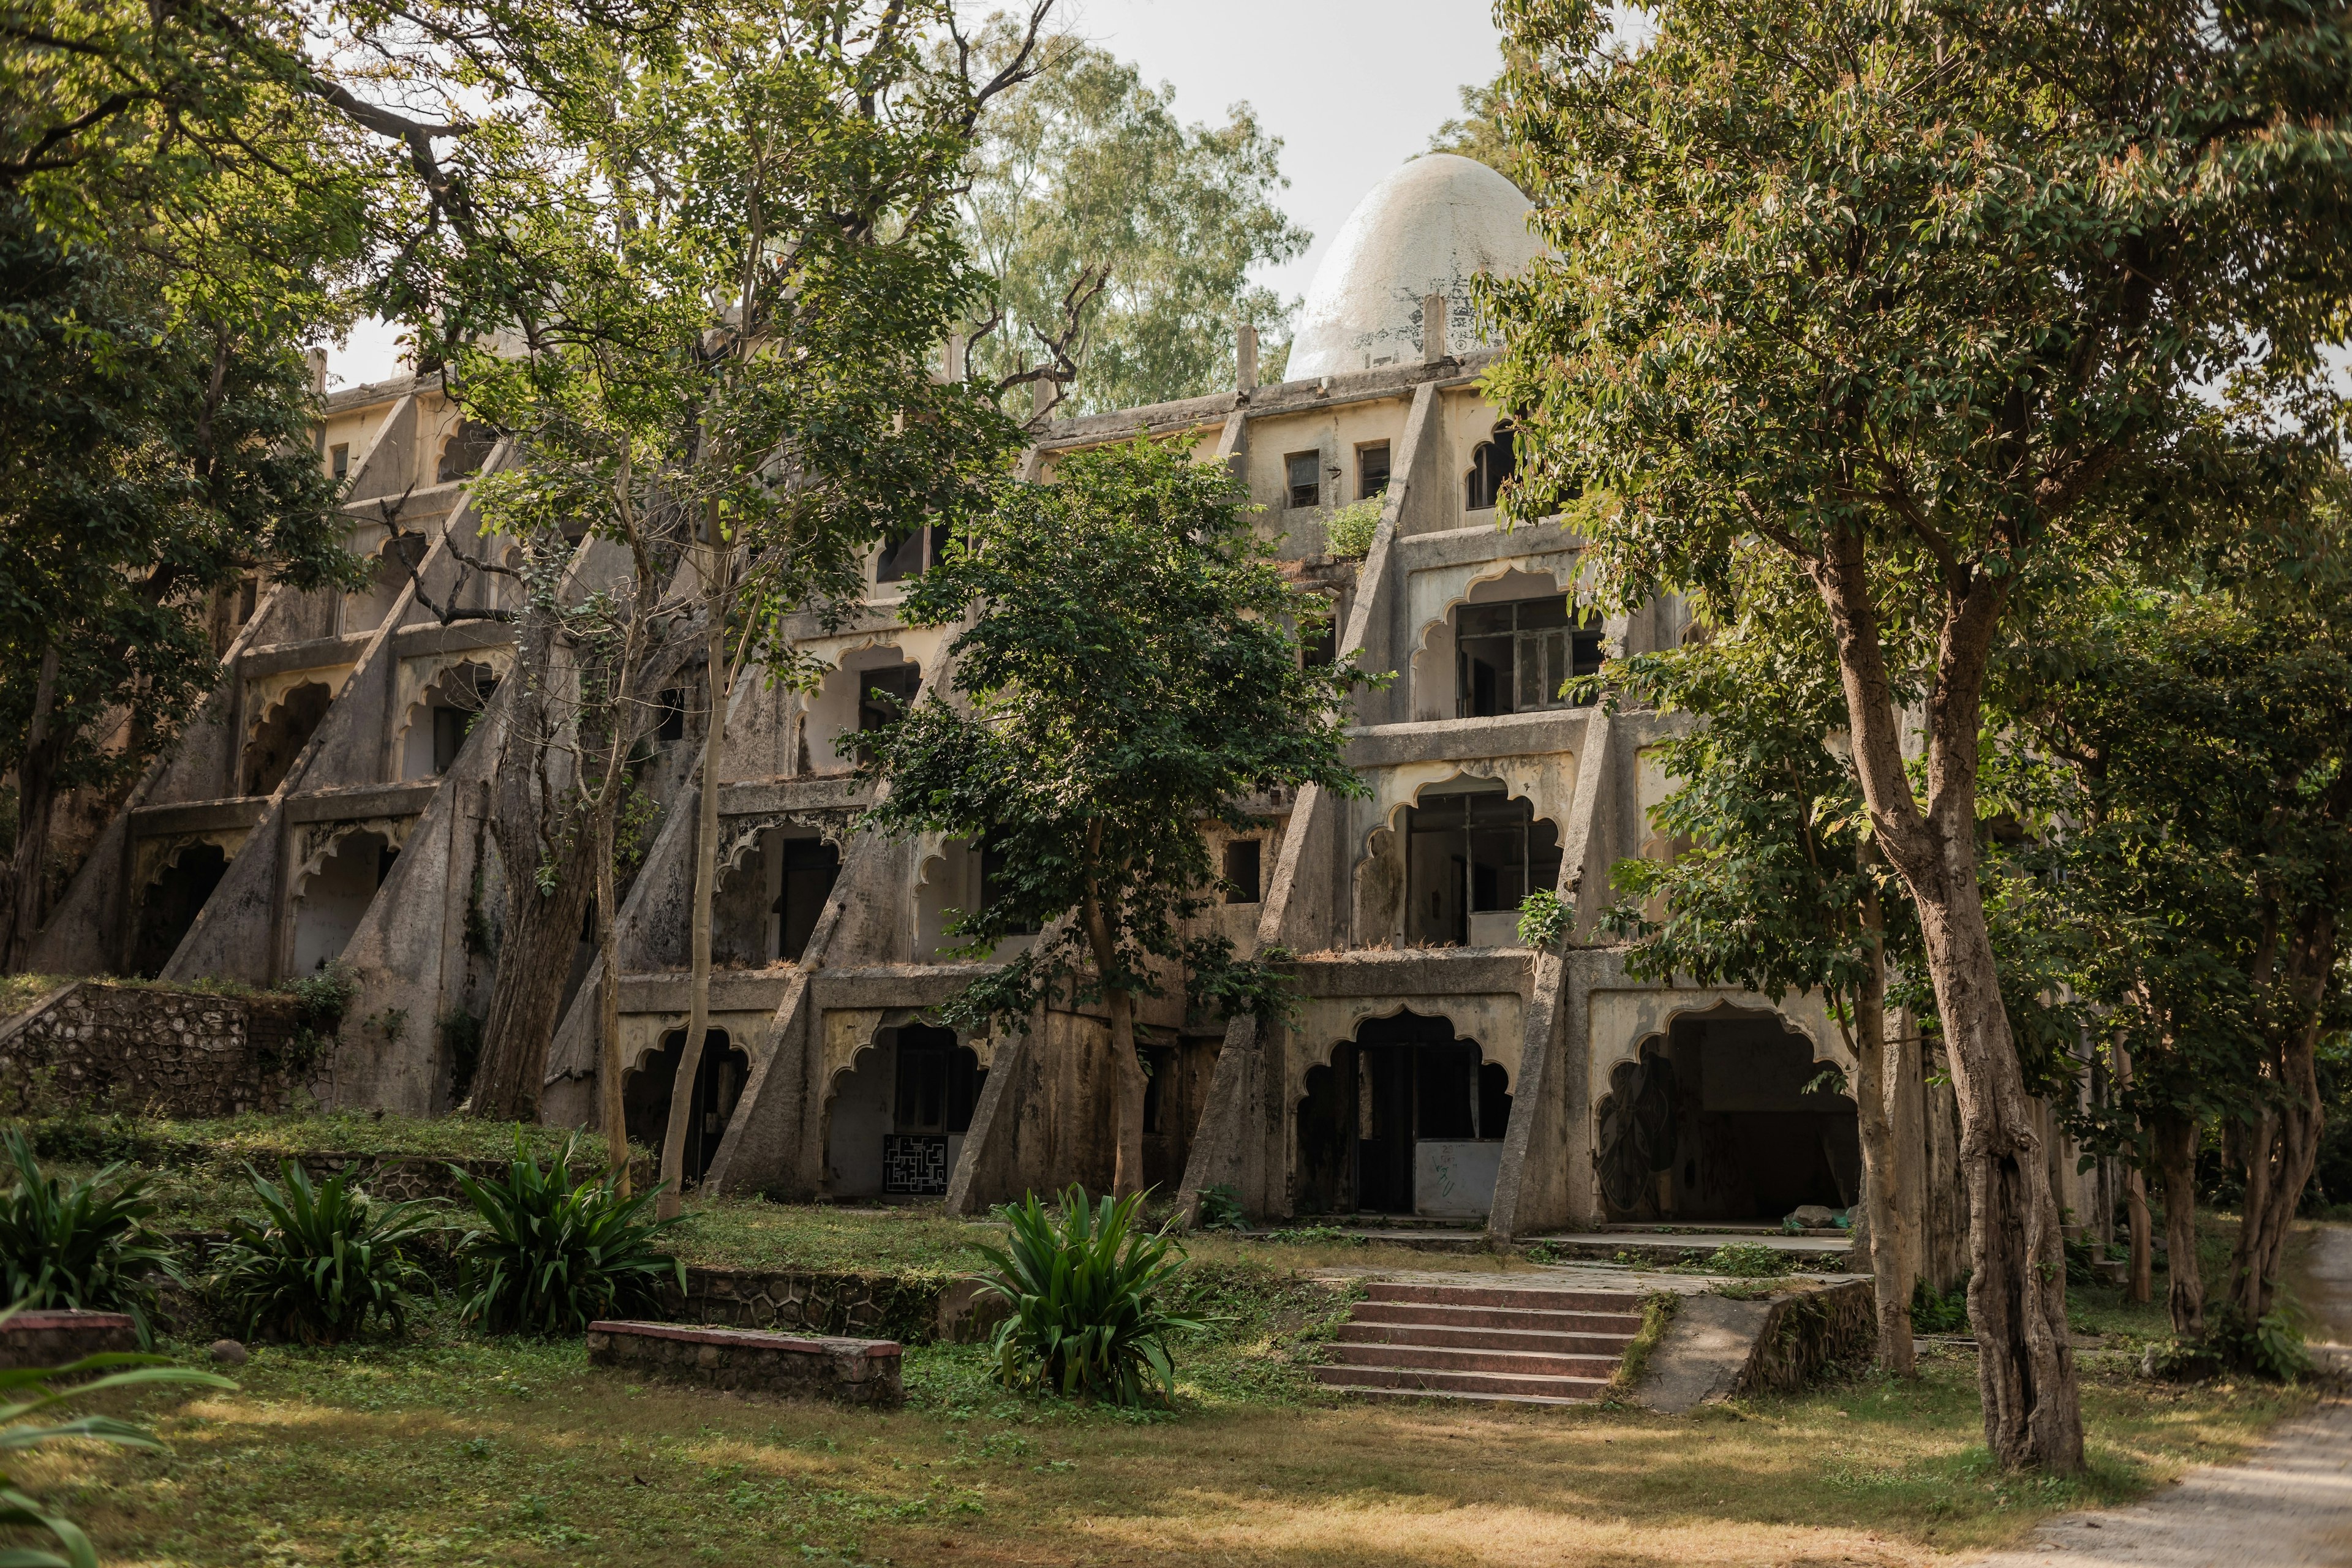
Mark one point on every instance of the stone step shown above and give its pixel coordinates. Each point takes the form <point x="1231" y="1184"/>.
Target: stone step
<point x="1500" y="1318"/>
<point x="1524" y="1297"/>
<point x="1436" y="1358"/>
<point x="1458" y="1336"/>
<point x="1505" y="1386"/>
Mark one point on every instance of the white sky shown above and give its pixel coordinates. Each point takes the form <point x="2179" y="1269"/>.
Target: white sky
<point x="1352" y="87"/>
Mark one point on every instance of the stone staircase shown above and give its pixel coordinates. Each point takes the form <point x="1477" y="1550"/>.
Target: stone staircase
<point x="1513" y="1344"/>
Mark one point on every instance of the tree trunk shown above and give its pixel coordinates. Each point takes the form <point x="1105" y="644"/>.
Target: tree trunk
<point x="2017" y="1290"/>
<point x="37" y="778"/>
<point x="2176" y="1157"/>
<point x="1127" y="1175"/>
<point x="682" y="1108"/>
<point x="2143" y="1253"/>
<point x="1892" y="1264"/>
<point x="2284" y="1144"/>
<point x="612" y="1106"/>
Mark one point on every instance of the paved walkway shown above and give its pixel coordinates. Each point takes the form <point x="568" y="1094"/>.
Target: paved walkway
<point x="2288" y="1507"/>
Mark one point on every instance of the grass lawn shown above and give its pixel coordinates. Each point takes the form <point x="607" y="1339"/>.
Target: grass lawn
<point x="454" y="1450"/>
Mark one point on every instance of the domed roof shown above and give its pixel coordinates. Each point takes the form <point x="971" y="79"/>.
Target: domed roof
<point x="1426" y="229"/>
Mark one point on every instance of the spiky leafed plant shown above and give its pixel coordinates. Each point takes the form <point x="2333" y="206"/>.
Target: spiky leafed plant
<point x="78" y="1244"/>
<point x="25" y="1393"/>
<point x="551" y="1256"/>
<point x="322" y="1261"/>
<point x="1085" y="1289"/>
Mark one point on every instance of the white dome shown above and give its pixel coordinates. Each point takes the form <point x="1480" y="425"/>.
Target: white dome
<point x="1426" y="229"/>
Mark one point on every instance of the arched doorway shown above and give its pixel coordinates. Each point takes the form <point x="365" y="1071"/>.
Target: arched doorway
<point x="897" y="1123"/>
<point x="1406" y="1119"/>
<point x="168" y="905"/>
<point x="719" y="1082"/>
<point x="1727" y="1118"/>
<point x="334" y="899"/>
<point x="282" y="733"/>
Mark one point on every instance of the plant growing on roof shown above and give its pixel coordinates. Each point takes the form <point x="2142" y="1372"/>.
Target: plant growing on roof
<point x="323" y="1261"/>
<point x="1085" y="1289"/>
<point x="1124" y="675"/>
<point x="551" y="1256"/>
<point x="81" y="1244"/>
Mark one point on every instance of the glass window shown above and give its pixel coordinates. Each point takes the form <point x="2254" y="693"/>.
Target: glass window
<point x="1491" y="463"/>
<point x="1472" y="852"/>
<point x="1305" y="474"/>
<point x="1372" y="470"/>
<point x="1515" y="657"/>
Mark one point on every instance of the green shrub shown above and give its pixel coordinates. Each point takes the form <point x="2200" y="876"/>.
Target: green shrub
<point x="1221" y="1208"/>
<point x="1938" y="1313"/>
<point x="550" y="1257"/>
<point x="1747" y="1261"/>
<point x="1348" y="533"/>
<point x="2272" y="1347"/>
<point x="1544" y="920"/>
<point x="79" y="1244"/>
<point x="1084" y="1291"/>
<point x="25" y="1393"/>
<point x="322" y="1261"/>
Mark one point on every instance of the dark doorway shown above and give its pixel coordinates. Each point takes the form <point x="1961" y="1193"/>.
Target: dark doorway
<point x="1174" y="1092"/>
<point x="1402" y="1083"/>
<point x="1728" y="1118"/>
<point x="282" y="733"/>
<point x="937" y="1083"/>
<point x="717" y="1084"/>
<point x="811" y="868"/>
<point x="171" y="903"/>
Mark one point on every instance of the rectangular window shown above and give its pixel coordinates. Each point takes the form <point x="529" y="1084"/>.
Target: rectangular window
<point x="340" y="458"/>
<point x="1372" y="470"/>
<point x="1243" y="862"/>
<point x="908" y="555"/>
<point x="1513" y="658"/>
<point x="1305" y="473"/>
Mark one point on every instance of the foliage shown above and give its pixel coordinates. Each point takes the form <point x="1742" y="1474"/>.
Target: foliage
<point x="323" y="1261"/>
<point x="1938" y="303"/>
<point x="1747" y="1261"/>
<point x="1127" y="673"/>
<point x="81" y="1243"/>
<point x="1085" y="1290"/>
<point x="1546" y="919"/>
<point x="1348" y="533"/>
<point x="27" y="1394"/>
<point x="551" y="1256"/>
<point x="1658" y="1310"/>
<point x="1934" y="1312"/>
<point x="1119" y="241"/>
<point x="1221" y="1208"/>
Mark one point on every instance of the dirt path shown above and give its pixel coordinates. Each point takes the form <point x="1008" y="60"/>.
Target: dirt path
<point x="2290" y="1506"/>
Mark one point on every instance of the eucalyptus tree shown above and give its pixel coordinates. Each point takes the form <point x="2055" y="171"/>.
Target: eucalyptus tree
<point x="732" y="283"/>
<point x="1924" y="297"/>
<point x="1127" y="673"/>
<point x="1119" y="239"/>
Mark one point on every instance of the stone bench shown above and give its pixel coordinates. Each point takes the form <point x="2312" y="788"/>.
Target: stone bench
<point x="748" y="1361"/>
<point x="61" y="1338"/>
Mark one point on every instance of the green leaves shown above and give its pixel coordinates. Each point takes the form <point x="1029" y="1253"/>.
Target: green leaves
<point x="1084" y="1291"/>
<point x="1128" y="675"/>
<point x="323" y="1262"/>
<point x="550" y="1256"/>
<point x="81" y="1243"/>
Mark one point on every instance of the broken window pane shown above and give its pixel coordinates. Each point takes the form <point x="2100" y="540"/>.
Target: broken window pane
<point x="1372" y="470"/>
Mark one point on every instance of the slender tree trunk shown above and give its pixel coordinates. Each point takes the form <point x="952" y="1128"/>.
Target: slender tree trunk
<point x="1127" y="1066"/>
<point x="2176" y="1157"/>
<point x="2283" y="1145"/>
<point x="36" y="778"/>
<point x="612" y="1106"/>
<point x="2017" y="1289"/>
<point x="682" y="1106"/>
<point x="2143" y="1252"/>
<point x="1891" y="1264"/>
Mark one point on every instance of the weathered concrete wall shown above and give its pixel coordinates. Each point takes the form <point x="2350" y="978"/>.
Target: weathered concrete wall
<point x="856" y="1372"/>
<point x="177" y="1053"/>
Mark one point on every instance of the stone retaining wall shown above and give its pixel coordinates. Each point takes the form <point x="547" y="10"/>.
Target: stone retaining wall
<point x="168" y="1053"/>
<point x="1806" y="1332"/>
<point x="856" y="1372"/>
<point x="914" y="1308"/>
<point x="60" y="1337"/>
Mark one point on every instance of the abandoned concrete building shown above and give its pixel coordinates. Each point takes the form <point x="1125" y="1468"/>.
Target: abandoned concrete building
<point x="330" y="806"/>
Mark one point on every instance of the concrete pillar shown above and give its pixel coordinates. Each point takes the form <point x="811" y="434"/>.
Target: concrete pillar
<point x="1245" y="358"/>
<point x="1433" y="328"/>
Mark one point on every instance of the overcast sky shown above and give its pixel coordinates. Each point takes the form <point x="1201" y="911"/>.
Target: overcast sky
<point x="1352" y="87"/>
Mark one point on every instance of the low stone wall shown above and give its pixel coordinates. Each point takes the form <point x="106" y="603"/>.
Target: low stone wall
<point x="58" y="1339"/>
<point x="913" y="1308"/>
<point x="856" y="1372"/>
<point x="1805" y="1332"/>
<point x="139" y="1048"/>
